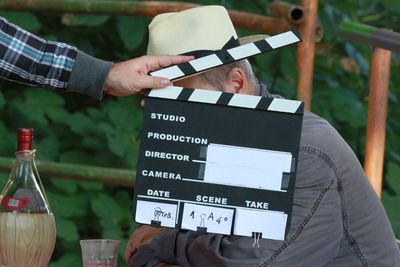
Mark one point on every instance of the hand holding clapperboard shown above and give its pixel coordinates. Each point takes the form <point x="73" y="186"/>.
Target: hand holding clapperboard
<point x="188" y="174"/>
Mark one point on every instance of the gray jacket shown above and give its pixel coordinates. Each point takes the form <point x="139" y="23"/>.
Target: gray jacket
<point x="337" y="219"/>
<point x="88" y="75"/>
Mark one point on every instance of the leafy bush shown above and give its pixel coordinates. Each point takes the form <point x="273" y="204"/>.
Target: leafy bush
<point x="76" y="129"/>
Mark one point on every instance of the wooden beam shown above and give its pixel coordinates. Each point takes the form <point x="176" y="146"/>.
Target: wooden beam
<point x="258" y="23"/>
<point x="48" y="169"/>
<point x="377" y="111"/>
<point x="306" y="51"/>
<point x="370" y="35"/>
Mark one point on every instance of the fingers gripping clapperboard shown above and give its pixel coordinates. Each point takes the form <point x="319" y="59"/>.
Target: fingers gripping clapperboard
<point x="216" y="162"/>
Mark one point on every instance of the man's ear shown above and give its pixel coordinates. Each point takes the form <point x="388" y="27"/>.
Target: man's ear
<point x="237" y="82"/>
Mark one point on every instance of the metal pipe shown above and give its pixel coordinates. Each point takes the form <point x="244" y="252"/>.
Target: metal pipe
<point x="306" y="52"/>
<point x="150" y="8"/>
<point x="377" y="111"/>
<point x="292" y="13"/>
<point x="259" y="23"/>
<point x="78" y="172"/>
<point x="376" y="37"/>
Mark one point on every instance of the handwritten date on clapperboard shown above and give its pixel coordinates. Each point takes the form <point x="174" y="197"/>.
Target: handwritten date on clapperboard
<point x="215" y="219"/>
<point x="164" y="213"/>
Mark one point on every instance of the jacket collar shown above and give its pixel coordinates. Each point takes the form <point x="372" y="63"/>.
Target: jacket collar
<point x="262" y="90"/>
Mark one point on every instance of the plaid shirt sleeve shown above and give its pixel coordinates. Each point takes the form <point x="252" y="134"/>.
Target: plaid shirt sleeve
<point x="28" y="59"/>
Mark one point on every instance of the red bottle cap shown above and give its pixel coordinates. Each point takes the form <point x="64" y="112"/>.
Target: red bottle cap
<point x="24" y="140"/>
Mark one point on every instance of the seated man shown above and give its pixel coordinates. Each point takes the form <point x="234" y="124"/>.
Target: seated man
<point x="337" y="219"/>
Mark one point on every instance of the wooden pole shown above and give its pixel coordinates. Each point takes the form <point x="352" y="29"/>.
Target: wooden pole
<point x="78" y="172"/>
<point x="377" y="110"/>
<point x="259" y="23"/>
<point x="306" y="51"/>
<point x="369" y="35"/>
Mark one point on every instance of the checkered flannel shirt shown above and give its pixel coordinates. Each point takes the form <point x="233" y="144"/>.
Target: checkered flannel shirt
<point x="29" y="59"/>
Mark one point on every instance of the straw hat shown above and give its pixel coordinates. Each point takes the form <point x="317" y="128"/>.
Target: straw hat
<point x="197" y="31"/>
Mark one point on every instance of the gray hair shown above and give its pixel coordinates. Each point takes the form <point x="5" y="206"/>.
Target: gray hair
<point x="217" y="76"/>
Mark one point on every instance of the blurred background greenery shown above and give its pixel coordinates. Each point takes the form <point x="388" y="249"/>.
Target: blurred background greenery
<point x="74" y="128"/>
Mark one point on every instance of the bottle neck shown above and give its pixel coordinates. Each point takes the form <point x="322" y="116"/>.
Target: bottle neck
<point x="25" y="155"/>
<point x="25" y="167"/>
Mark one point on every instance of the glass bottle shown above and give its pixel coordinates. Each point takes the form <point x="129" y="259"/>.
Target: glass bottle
<point x="27" y="226"/>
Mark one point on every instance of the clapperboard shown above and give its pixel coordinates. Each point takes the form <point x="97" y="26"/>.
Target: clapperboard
<point x="217" y="162"/>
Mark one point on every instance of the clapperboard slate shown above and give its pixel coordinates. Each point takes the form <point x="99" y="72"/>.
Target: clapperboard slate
<point x="216" y="162"/>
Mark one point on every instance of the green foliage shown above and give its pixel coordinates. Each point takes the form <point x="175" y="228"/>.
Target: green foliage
<point x="26" y="20"/>
<point x="76" y="129"/>
<point x="2" y="100"/>
<point x="84" y="20"/>
<point x="132" y="31"/>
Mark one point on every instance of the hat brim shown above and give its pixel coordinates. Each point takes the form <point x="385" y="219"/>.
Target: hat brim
<point x="242" y="41"/>
<point x="230" y="44"/>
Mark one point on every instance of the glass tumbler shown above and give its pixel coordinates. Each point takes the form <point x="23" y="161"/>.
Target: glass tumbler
<point x="100" y="252"/>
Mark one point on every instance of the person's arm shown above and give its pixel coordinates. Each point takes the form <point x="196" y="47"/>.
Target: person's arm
<point x="29" y="59"/>
<point x="96" y="77"/>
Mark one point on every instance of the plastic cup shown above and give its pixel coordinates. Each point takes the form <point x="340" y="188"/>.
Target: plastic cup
<point x="99" y="252"/>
